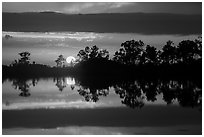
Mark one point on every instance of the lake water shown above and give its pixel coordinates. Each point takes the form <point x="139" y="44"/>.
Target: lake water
<point x="67" y="105"/>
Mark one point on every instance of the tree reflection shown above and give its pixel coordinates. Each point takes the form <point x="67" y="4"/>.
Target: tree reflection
<point x="189" y="95"/>
<point x="92" y="94"/>
<point x="149" y="88"/>
<point x="131" y="94"/>
<point x="24" y="86"/>
<point x="60" y="83"/>
<point x="185" y="93"/>
<point x="72" y="87"/>
<point x="168" y="90"/>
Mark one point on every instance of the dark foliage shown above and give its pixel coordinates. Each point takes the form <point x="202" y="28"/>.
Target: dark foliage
<point x="133" y="92"/>
<point x="132" y="60"/>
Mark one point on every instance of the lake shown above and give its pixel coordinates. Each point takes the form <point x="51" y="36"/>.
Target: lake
<point x="111" y="68"/>
<point x="79" y="105"/>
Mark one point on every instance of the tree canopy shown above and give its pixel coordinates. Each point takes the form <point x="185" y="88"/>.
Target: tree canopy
<point x="60" y="61"/>
<point x="129" y="53"/>
<point x="92" y="53"/>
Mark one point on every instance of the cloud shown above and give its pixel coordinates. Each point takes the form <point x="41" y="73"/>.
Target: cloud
<point x="76" y="8"/>
<point x="92" y="7"/>
<point x="55" y="36"/>
<point x="120" y="4"/>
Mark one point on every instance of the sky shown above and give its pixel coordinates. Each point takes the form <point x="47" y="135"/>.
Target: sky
<point x="46" y="47"/>
<point x="104" y="7"/>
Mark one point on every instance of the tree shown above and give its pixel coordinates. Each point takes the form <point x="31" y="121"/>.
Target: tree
<point x="187" y="51"/>
<point x="103" y="53"/>
<point x="60" y="61"/>
<point x="25" y="57"/>
<point x="169" y="54"/>
<point x="198" y="41"/>
<point x="129" y="53"/>
<point x="92" y="53"/>
<point x="150" y="55"/>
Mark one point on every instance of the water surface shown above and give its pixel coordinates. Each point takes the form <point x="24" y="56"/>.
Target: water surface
<point x="67" y="105"/>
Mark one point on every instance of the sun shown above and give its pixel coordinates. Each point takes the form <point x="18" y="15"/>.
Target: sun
<point x="70" y="59"/>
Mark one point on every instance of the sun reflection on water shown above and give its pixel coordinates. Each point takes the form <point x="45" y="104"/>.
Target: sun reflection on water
<point x="70" y="81"/>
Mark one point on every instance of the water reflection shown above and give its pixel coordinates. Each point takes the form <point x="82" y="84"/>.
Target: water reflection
<point x="130" y="93"/>
<point x="60" y="83"/>
<point x="92" y="94"/>
<point x="187" y="93"/>
<point x="70" y="81"/>
<point x="23" y="85"/>
<point x="133" y="93"/>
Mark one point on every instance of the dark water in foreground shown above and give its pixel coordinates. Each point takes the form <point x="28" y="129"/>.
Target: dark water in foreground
<point x="69" y="105"/>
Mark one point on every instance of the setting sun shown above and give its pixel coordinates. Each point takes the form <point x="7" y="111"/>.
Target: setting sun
<point x="70" y="59"/>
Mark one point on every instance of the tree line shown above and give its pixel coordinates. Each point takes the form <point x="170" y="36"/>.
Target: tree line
<point x="132" y="56"/>
<point x="135" y="53"/>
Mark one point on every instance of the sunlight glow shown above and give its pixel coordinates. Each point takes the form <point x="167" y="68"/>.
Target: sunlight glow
<point x="70" y="59"/>
<point x="70" y="81"/>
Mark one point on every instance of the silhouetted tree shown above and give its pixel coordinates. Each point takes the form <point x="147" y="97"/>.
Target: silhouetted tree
<point x="25" y="57"/>
<point x="169" y="53"/>
<point x="14" y="63"/>
<point x="60" y="61"/>
<point x="150" y="55"/>
<point x="92" y="53"/>
<point x="84" y="54"/>
<point x="129" y="53"/>
<point x="198" y="41"/>
<point x="103" y="53"/>
<point x="188" y="50"/>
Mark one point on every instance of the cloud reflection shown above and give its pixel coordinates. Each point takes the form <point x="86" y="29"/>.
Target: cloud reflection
<point x="52" y="104"/>
<point x="71" y="130"/>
